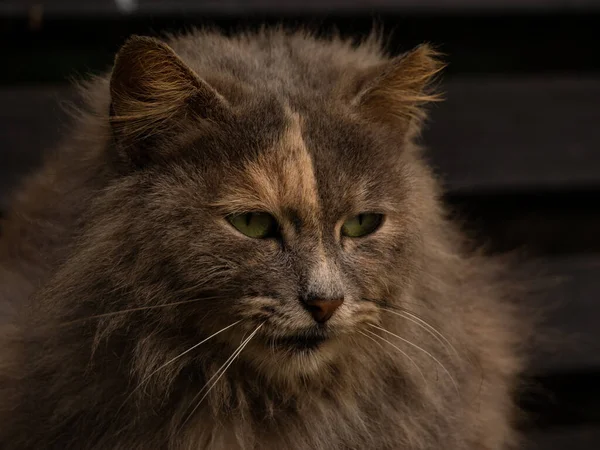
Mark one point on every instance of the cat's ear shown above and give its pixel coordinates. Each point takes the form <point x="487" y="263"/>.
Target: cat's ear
<point x="153" y="95"/>
<point x="395" y="92"/>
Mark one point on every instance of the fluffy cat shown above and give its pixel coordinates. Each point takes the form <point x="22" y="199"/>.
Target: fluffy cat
<point x="240" y="246"/>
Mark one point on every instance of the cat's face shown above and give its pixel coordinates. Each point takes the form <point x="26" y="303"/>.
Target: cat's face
<point x="300" y="225"/>
<point x="287" y="221"/>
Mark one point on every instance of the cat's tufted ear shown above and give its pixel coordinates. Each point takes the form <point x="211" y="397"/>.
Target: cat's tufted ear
<point x="153" y="95"/>
<point x="395" y="92"/>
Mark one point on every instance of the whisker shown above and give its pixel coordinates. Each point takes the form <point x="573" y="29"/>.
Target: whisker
<point x="219" y="373"/>
<point x="397" y="309"/>
<point x="424" y="351"/>
<point x="426" y="326"/>
<point x="131" y="310"/>
<point x="397" y="348"/>
<point x="172" y="360"/>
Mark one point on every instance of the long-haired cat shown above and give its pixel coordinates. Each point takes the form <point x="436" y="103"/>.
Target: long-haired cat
<point x="240" y="246"/>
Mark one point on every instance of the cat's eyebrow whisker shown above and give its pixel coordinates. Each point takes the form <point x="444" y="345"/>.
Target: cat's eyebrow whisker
<point x="172" y="360"/>
<point x="219" y="373"/>
<point x="426" y="326"/>
<point x="396" y="347"/>
<point x="424" y="351"/>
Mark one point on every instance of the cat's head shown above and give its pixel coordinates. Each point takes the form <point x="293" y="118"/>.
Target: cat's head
<point x="289" y="216"/>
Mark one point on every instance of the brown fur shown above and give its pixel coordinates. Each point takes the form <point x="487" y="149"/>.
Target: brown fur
<point x="120" y="259"/>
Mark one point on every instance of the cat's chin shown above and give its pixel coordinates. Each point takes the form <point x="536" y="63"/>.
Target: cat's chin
<point x="293" y="356"/>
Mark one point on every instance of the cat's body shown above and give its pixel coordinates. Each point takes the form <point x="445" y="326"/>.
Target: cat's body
<point x="122" y="242"/>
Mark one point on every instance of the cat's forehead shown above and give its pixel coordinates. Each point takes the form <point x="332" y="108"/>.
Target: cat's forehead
<point x="314" y="164"/>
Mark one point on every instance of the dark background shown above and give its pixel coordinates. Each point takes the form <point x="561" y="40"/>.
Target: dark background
<point x="516" y="143"/>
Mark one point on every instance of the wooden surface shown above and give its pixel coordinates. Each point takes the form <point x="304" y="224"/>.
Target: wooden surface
<point x="16" y="7"/>
<point x="529" y="132"/>
<point x="578" y="438"/>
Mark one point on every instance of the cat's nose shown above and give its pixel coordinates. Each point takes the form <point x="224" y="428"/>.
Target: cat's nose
<point x="322" y="308"/>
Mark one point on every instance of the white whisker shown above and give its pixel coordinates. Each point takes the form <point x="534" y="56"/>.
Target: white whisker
<point x="424" y="351"/>
<point x="219" y="373"/>
<point x="172" y="360"/>
<point x="397" y="348"/>
<point x="131" y="310"/>
<point x="426" y="326"/>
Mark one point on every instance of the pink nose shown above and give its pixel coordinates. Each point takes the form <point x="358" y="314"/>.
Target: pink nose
<point x="323" y="309"/>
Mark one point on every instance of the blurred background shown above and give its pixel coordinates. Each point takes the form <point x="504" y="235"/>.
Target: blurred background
<point x="517" y="142"/>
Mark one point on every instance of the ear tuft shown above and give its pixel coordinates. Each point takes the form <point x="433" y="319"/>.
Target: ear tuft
<point x="398" y="90"/>
<point x="152" y="89"/>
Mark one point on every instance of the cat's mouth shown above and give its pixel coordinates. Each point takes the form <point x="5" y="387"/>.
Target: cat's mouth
<point x="299" y="342"/>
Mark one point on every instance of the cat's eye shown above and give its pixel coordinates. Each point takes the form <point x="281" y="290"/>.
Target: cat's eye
<point x="361" y="225"/>
<point x="258" y="225"/>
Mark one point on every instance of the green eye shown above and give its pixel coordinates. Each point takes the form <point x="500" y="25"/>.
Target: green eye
<point x="254" y="224"/>
<point x="361" y="225"/>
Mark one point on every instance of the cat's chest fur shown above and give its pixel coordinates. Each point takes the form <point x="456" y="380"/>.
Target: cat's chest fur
<point x="323" y="423"/>
<point x="359" y="408"/>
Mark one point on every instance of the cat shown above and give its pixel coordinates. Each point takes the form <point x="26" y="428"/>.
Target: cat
<point x="240" y="245"/>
